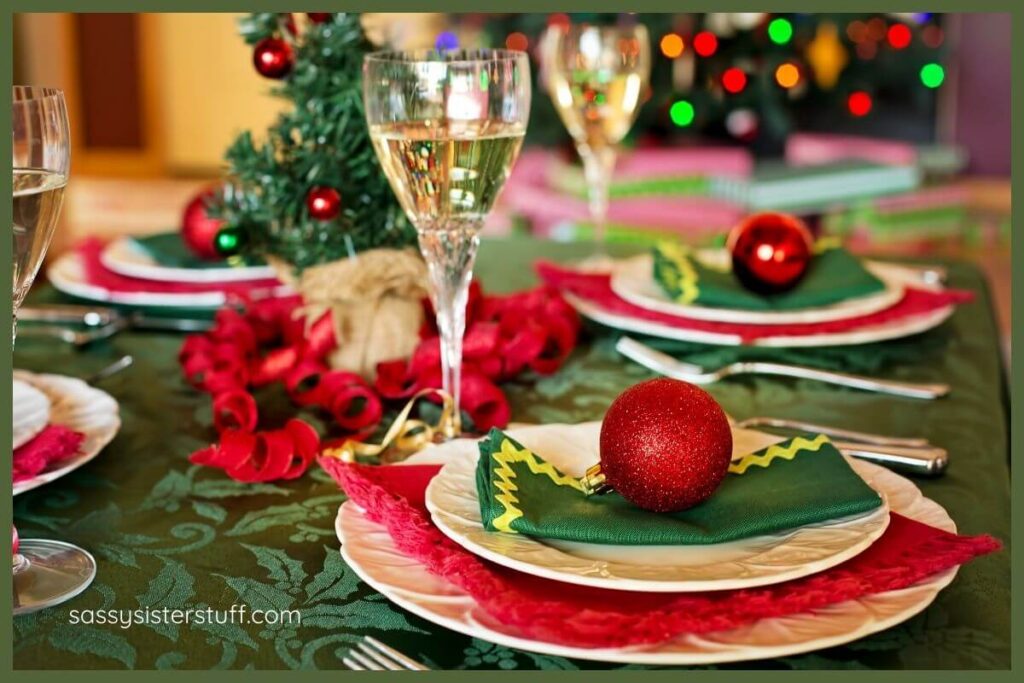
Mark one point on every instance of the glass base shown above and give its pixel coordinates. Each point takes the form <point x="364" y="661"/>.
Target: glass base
<point x="54" y="572"/>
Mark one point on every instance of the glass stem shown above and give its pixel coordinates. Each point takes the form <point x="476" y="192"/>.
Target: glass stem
<point x="450" y="252"/>
<point x="598" y="166"/>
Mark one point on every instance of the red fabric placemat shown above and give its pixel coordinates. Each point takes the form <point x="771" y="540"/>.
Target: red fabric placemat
<point x="579" y="616"/>
<point x="53" y="444"/>
<point x="596" y="289"/>
<point x="99" y="275"/>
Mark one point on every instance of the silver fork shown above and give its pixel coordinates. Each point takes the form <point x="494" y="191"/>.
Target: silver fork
<point x="372" y="655"/>
<point x="667" y="365"/>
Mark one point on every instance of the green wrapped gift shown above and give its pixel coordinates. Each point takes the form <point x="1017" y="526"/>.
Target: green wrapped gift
<point x="791" y="484"/>
<point x="833" y="275"/>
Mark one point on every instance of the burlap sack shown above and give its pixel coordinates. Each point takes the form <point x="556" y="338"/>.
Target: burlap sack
<point x="375" y="300"/>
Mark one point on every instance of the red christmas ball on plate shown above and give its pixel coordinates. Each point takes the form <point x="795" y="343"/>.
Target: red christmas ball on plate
<point x="770" y="252"/>
<point x="665" y="445"/>
<point x="273" y="58"/>
<point x="199" y="229"/>
<point x="323" y="203"/>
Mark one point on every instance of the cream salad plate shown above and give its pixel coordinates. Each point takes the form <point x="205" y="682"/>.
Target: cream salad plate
<point x="633" y="280"/>
<point x="369" y="550"/>
<point x="451" y="498"/>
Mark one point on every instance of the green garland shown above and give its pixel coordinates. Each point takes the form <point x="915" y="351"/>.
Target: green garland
<point x="321" y="141"/>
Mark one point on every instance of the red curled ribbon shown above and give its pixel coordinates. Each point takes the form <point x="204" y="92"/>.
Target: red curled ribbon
<point x="265" y="342"/>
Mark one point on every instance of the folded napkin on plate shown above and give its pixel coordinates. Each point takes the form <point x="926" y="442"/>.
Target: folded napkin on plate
<point x="833" y="275"/>
<point x="594" y="289"/>
<point x="168" y="249"/>
<point x="791" y="484"/>
<point x="97" y="274"/>
<point x="53" y="444"/>
<point x="556" y="612"/>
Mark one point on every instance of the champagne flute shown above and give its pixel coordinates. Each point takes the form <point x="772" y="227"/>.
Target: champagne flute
<point x="46" y="572"/>
<point x="597" y="77"/>
<point x="447" y="128"/>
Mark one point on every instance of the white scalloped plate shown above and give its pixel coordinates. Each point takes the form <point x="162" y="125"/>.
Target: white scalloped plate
<point x="78" y="406"/>
<point x="452" y="500"/>
<point x="632" y="280"/>
<point x="369" y="551"/>
<point x="126" y="257"/>
<point x="30" y="412"/>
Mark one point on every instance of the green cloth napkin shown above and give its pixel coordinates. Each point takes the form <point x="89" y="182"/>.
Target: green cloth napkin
<point x="834" y="275"/>
<point x="168" y="249"/>
<point x="791" y="484"/>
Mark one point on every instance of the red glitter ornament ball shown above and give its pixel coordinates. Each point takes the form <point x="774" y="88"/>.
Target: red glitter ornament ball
<point x="273" y="58"/>
<point x="770" y="252"/>
<point x="665" y="445"/>
<point x="319" y="17"/>
<point x="198" y="229"/>
<point x="323" y="203"/>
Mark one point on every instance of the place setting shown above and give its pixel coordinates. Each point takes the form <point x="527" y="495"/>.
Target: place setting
<point x="662" y="535"/>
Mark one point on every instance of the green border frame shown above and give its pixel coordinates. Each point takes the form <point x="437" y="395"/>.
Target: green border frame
<point x="1015" y="9"/>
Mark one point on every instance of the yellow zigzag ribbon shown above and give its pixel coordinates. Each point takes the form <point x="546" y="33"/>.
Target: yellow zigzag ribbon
<point x="778" y="451"/>
<point x="685" y="277"/>
<point x="506" y="485"/>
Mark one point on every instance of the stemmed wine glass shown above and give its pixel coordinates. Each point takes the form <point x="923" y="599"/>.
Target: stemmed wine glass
<point x="447" y="128"/>
<point x="46" y="572"/>
<point x="597" y="77"/>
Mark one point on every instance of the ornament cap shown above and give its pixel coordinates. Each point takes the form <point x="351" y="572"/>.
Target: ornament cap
<point x="594" y="483"/>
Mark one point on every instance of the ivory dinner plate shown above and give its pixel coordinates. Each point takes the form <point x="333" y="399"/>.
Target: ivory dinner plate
<point x="895" y="329"/>
<point x="370" y="551"/>
<point x="78" y="406"/>
<point x="452" y="500"/>
<point x="127" y="257"/>
<point x="30" y="414"/>
<point x="632" y="279"/>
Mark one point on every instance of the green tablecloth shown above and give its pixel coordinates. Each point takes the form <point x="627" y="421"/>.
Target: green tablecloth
<point x="166" y="533"/>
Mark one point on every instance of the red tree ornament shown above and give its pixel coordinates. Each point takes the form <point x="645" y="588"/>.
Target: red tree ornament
<point x="665" y="446"/>
<point x="319" y="17"/>
<point x="198" y="229"/>
<point x="323" y="203"/>
<point x="770" y="252"/>
<point x="273" y="58"/>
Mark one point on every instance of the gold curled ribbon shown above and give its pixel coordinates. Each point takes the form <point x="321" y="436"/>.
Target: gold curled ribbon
<point x="406" y="435"/>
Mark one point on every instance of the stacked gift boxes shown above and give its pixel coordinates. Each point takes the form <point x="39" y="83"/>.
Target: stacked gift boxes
<point x="872" y="192"/>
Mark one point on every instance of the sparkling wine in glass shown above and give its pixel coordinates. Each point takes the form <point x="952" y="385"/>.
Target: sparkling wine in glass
<point x="597" y="77"/>
<point x="447" y="127"/>
<point x="46" y="572"/>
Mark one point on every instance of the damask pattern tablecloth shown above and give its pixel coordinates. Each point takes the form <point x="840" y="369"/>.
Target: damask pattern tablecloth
<point x="170" y="534"/>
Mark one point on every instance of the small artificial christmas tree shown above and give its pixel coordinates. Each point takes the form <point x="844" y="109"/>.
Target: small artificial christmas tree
<point x="311" y="198"/>
<point x="312" y="191"/>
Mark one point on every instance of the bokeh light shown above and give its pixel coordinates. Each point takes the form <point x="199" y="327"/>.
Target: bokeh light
<point x="787" y="75"/>
<point x="517" y="41"/>
<point x="705" y="43"/>
<point x="780" y="31"/>
<point x="672" y="45"/>
<point x="734" y="80"/>
<point x="899" y="36"/>
<point x="932" y="75"/>
<point x="446" y="40"/>
<point x="859" y="103"/>
<point x="682" y="113"/>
